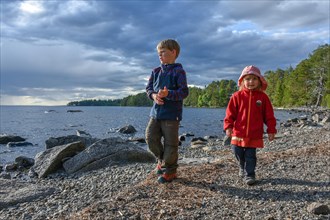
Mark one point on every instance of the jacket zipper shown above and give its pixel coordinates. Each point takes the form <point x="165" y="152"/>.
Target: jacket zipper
<point x="249" y="112"/>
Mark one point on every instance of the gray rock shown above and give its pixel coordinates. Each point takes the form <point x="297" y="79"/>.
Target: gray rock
<point x="209" y="148"/>
<point x="198" y="139"/>
<point x="72" y="111"/>
<point x="226" y="141"/>
<point x="198" y="142"/>
<point x="129" y="129"/>
<point x="182" y="138"/>
<point x="52" y="142"/>
<point x="325" y="119"/>
<point x="188" y="134"/>
<point x="50" y="111"/>
<point x="208" y="137"/>
<point x="82" y="133"/>
<point x="50" y="160"/>
<point x="318" y="208"/>
<point x="137" y="139"/>
<point x="316" y="118"/>
<point x="5" y="175"/>
<point x="24" y="161"/>
<point x="106" y="152"/>
<point x="19" y="144"/>
<point x="5" y="139"/>
<point x="11" y="167"/>
<point x="197" y="146"/>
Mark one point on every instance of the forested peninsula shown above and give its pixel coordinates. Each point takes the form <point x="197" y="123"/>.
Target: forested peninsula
<point x="306" y="85"/>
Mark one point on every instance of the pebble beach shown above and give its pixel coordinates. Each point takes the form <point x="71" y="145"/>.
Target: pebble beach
<point x="293" y="182"/>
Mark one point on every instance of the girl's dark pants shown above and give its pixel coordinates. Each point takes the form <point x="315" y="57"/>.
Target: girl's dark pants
<point x="167" y="152"/>
<point x="247" y="158"/>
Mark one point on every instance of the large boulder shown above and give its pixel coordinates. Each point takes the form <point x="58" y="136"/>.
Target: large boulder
<point x="51" y="160"/>
<point x="52" y="142"/>
<point x="105" y="153"/>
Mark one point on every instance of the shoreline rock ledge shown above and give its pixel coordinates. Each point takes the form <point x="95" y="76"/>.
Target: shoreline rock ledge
<point x="77" y="158"/>
<point x="105" y="153"/>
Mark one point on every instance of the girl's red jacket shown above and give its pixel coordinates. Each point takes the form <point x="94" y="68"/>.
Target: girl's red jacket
<point x="246" y="114"/>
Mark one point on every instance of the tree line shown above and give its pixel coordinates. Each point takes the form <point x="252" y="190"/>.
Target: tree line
<point x="214" y="95"/>
<point x="306" y="85"/>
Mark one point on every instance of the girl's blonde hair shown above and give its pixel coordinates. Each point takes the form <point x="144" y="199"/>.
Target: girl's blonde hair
<point x="252" y="70"/>
<point x="241" y="86"/>
<point x="169" y="44"/>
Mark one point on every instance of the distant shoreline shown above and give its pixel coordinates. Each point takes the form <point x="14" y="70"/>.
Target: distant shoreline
<point x="302" y="108"/>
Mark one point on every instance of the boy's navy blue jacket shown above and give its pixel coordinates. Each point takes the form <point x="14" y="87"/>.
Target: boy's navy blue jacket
<point x="174" y="78"/>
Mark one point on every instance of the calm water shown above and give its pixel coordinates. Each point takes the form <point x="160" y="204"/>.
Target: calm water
<point x="38" y="123"/>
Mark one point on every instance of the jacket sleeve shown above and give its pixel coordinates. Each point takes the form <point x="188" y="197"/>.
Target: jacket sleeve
<point x="231" y="114"/>
<point x="269" y="117"/>
<point x="182" y="90"/>
<point x="150" y="86"/>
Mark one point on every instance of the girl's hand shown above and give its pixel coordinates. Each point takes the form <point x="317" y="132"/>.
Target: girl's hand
<point x="271" y="137"/>
<point x="229" y="131"/>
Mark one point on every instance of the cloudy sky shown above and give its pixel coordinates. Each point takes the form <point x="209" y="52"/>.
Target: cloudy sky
<point x="54" y="52"/>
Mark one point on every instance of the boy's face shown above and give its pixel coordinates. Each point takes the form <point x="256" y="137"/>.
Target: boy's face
<point x="166" y="56"/>
<point x="251" y="82"/>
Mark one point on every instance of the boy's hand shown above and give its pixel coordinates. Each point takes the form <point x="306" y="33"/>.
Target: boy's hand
<point x="157" y="99"/>
<point x="271" y="137"/>
<point x="163" y="92"/>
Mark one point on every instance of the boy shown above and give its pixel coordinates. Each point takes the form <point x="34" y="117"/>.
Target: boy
<point x="167" y="87"/>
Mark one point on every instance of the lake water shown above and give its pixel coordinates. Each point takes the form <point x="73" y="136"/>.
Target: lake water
<point x="38" y="123"/>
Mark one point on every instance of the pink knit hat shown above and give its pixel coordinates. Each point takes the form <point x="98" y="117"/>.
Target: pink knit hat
<point x="254" y="71"/>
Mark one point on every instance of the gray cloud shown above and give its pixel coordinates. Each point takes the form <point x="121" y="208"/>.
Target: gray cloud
<point x="88" y="49"/>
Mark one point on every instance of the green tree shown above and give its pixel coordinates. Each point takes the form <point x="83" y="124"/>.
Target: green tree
<point x="308" y="84"/>
<point x="320" y="69"/>
<point x="275" y="86"/>
<point x="217" y="94"/>
<point x="192" y="99"/>
<point x="227" y="88"/>
<point x="203" y="100"/>
<point x="139" y="99"/>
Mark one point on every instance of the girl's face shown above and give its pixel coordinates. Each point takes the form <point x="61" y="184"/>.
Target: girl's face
<point x="251" y="82"/>
<point x="166" y="56"/>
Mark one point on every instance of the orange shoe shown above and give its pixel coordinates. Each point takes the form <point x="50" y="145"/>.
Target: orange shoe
<point x="166" y="178"/>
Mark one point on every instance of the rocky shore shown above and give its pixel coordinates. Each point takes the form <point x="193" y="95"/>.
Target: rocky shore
<point x="293" y="182"/>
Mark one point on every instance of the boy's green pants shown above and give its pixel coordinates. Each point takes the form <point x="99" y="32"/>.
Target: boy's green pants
<point x="166" y="151"/>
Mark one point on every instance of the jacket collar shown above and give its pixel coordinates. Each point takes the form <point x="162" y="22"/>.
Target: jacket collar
<point x="167" y="67"/>
<point x="248" y="90"/>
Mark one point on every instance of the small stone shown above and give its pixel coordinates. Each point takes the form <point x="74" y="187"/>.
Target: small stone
<point x="270" y="217"/>
<point x="182" y="138"/>
<point x="5" y="175"/>
<point x="318" y="209"/>
<point x="11" y="167"/>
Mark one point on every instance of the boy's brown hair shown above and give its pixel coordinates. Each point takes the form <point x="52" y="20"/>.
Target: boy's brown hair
<point x="169" y="44"/>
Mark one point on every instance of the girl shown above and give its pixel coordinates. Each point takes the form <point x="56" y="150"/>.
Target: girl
<point x="247" y="112"/>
